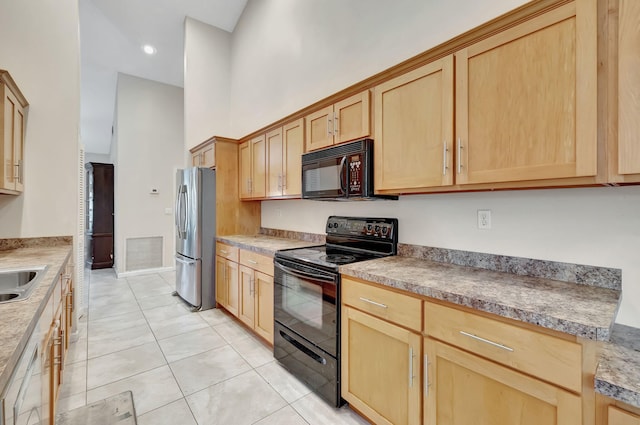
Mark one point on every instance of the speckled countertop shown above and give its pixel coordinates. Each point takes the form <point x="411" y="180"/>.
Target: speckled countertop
<point x="618" y="374"/>
<point x="24" y="315"/>
<point x="263" y="244"/>
<point x="582" y="310"/>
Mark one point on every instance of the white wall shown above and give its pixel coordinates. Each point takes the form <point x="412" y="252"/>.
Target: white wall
<point x="97" y="157"/>
<point x="149" y="148"/>
<point x="39" y="47"/>
<point x="287" y="54"/>
<point x="206" y="82"/>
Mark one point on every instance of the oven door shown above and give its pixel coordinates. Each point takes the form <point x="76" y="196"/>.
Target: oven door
<point x="306" y="301"/>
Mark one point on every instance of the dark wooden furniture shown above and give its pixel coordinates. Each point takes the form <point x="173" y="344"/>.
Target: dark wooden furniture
<point x="99" y="220"/>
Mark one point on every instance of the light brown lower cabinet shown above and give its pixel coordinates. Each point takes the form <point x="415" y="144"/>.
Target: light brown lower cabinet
<point x="465" y="389"/>
<point x="244" y="287"/>
<point x="55" y="325"/>
<point x="613" y="412"/>
<point x="380" y="368"/>
<point x="413" y="360"/>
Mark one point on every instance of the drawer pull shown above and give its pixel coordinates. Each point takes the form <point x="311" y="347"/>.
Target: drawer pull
<point x="223" y="252"/>
<point x="486" y="341"/>
<point x="373" y="302"/>
<point x="252" y="262"/>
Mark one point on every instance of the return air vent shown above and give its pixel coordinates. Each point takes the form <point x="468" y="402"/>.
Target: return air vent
<point x="144" y="253"/>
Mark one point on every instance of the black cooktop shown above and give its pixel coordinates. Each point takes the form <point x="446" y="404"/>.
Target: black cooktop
<point x="349" y="240"/>
<point x="325" y="256"/>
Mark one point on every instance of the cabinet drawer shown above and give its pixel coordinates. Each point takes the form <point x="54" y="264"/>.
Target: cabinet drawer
<point x="259" y="262"/>
<point x="549" y="358"/>
<point x="392" y="306"/>
<point x="620" y="417"/>
<point x="227" y="251"/>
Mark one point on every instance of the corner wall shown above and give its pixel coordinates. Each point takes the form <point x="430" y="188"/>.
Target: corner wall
<point x="39" y="46"/>
<point x="207" y="77"/>
<point x="149" y="148"/>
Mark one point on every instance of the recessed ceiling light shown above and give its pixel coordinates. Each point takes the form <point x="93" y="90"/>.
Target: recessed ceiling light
<point x="149" y="49"/>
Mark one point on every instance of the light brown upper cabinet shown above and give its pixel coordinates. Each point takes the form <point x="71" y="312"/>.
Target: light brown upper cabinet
<point x="346" y="120"/>
<point x="203" y="155"/>
<point x="526" y="100"/>
<point x="12" y="127"/>
<point x="627" y="156"/>
<point x="284" y="152"/>
<point x="413" y="148"/>
<point x="253" y="168"/>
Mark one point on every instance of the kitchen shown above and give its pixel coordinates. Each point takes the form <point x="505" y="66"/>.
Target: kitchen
<point x="595" y="226"/>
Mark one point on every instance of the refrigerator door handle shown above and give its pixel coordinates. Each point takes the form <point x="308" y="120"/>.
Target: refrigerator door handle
<point x="176" y="211"/>
<point x="186" y="215"/>
<point x="187" y="262"/>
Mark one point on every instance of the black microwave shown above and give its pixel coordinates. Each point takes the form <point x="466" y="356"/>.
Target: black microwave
<point x="343" y="172"/>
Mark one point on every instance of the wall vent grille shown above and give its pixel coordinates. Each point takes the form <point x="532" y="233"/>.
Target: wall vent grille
<point x="144" y="253"/>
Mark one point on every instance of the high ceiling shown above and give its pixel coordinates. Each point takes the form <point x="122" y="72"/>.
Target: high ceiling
<point x="112" y="33"/>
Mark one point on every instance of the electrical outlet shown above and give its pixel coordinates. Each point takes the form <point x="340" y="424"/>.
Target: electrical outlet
<point x="484" y="219"/>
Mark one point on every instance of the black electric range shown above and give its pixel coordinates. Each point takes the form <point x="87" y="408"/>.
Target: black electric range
<point x="307" y="298"/>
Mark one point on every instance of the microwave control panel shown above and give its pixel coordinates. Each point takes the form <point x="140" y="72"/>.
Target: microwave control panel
<point x="355" y="174"/>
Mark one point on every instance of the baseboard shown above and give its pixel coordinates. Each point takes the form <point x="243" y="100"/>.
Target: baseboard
<point x="145" y="271"/>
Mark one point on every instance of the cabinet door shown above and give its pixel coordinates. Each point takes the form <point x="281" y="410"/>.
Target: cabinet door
<point x="233" y="289"/>
<point x="319" y="126"/>
<point x="380" y="368"/>
<point x="258" y="167"/>
<point x="351" y="118"/>
<point x="620" y="417"/>
<point x="196" y="159"/>
<point x="246" y="312"/>
<point x="629" y="88"/>
<point x="414" y="129"/>
<point x="207" y="158"/>
<point x="264" y="306"/>
<point x="293" y="142"/>
<point x="245" y="170"/>
<point x="221" y="281"/>
<point x="274" y="163"/>
<point x="463" y="389"/>
<point x="9" y="121"/>
<point x="526" y="105"/>
<point x="18" y="147"/>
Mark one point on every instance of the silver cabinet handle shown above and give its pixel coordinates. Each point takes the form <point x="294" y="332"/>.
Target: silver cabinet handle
<point x="444" y="158"/>
<point x="284" y="181"/>
<point x="411" y="376"/>
<point x="336" y="126"/>
<point x="252" y="262"/>
<point x="16" y="172"/>
<point x="329" y="125"/>
<point x="367" y="300"/>
<point x="486" y="341"/>
<point x="426" y="376"/>
<point x="279" y="181"/>
<point x="459" y="156"/>
<point x="223" y="252"/>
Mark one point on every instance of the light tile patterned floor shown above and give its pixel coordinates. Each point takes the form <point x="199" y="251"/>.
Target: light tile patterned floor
<point x="183" y="368"/>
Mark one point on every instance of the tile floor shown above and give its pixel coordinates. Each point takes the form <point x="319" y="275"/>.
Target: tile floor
<point x="183" y="368"/>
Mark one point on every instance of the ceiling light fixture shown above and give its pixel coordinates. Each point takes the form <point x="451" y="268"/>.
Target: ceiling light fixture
<point x="149" y="49"/>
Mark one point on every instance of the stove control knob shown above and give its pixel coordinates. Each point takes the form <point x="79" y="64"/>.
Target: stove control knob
<point x="377" y="229"/>
<point x="369" y="228"/>
<point x="385" y="230"/>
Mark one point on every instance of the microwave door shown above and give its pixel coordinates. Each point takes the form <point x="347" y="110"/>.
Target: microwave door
<point x="324" y="178"/>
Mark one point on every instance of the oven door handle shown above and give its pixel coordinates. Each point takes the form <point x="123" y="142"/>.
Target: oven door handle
<point x="295" y="273"/>
<point x="304" y="349"/>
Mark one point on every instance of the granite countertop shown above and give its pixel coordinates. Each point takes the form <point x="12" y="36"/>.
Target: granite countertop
<point x="262" y="244"/>
<point x="618" y="374"/>
<point x="24" y="315"/>
<point x="582" y="310"/>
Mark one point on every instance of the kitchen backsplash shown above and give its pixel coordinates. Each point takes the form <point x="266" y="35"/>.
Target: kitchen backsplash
<point x="603" y="277"/>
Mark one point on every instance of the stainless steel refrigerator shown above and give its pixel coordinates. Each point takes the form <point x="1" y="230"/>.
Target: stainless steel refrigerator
<point x="195" y="219"/>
